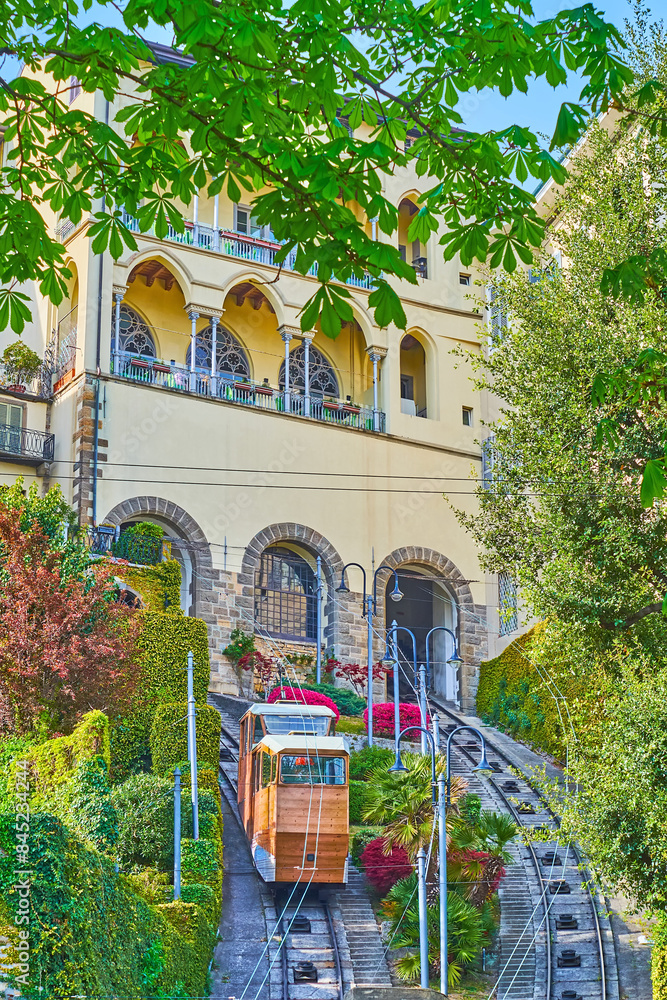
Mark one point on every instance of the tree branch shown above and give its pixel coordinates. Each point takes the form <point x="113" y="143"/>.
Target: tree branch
<point x="650" y="609"/>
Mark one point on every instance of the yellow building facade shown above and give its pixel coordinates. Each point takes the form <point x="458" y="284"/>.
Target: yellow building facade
<point x="184" y="392"/>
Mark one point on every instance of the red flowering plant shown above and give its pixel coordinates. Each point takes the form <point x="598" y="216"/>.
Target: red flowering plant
<point x="383" y="718"/>
<point x="382" y="867"/>
<point x="303" y="698"/>
<point x="357" y="675"/>
<point x="263" y="668"/>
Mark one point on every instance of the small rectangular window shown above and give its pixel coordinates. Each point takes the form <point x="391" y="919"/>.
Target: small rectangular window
<point x="464" y="279"/>
<point x="508" y="613"/>
<point x="11" y="421"/>
<point x="312" y="770"/>
<point x="266" y="769"/>
<point x="246" y="223"/>
<point x="466" y="413"/>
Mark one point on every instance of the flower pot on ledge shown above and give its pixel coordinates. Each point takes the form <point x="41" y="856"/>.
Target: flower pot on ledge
<point x="15" y="388"/>
<point x="264" y="390"/>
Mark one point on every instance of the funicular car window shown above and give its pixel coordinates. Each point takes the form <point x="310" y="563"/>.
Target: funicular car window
<point x="282" y="724"/>
<point x="266" y="769"/>
<point x="259" y="732"/>
<point x="298" y="769"/>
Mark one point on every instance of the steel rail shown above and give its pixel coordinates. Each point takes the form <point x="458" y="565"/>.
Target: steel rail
<point x="545" y="808"/>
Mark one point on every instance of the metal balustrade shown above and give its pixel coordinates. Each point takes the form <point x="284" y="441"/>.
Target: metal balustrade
<point x="25" y="443"/>
<point x="233" y="389"/>
<point x="238" y="246"/>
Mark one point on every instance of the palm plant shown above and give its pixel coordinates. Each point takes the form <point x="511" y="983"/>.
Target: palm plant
<point x="402" y="802"/>
<point x="477" y="855"/>
<point x="467" y="928"/>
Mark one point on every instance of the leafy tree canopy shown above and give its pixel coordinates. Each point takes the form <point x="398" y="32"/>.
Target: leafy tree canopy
<point x="558" y="510"/>
<point x="259" y="91"/>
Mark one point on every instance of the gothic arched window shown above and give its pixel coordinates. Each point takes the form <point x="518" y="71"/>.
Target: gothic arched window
<point x="285" y="595"/>
<point x="322" y="376"/>
<point x="135" y="337"/>
<point x="229" y="355"/>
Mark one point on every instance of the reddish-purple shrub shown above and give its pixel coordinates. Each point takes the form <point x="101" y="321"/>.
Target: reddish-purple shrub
<point x="383" y="719"/>
<point x="304" y="697"/>
<point x="384" y="870"/>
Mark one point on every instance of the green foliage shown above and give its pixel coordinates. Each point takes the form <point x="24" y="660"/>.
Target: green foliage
<point x="51" y="511"/>
<point x="144" y="806"/>
<point x="11" y="748"/>
<point x="169" y="736"/>
<point x="470" y="808"/>
<point x="87" y="806"/>
<point x="363" y="761"/>
<point x="659" y="959"/>
<point x="358" y="796"/>
<point x="204" y="896"/>
<point x="201" y="865"/>
<point x="164" y="641"/>
<point x="159" y="585"/>
<point x="52" y="764"/>
<point x="91" y="934"/>
<point x="240" y="644"/>
<point x="21" y="363"/>
<point x="360" y="840"/>
<point x="468" y="929"/>
<point x="295" y="150"/>
<point x="144" y="529"/>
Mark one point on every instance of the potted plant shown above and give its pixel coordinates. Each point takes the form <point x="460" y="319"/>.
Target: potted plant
<point x="21" y="365"/>
<point x="350" y="407"/>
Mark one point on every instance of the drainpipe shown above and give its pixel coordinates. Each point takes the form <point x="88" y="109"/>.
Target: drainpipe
<point x="98" y="357"/>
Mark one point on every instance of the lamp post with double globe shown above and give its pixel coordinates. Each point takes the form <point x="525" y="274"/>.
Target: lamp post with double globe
<point x="443" y="803"/>
<point x="369" y="608"/>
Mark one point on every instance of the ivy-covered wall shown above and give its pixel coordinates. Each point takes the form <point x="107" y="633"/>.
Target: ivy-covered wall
<point x="659" y="959"/>
<point x="165" y="640"/>
<point x="158" y="585"/>
<point x="169" y="736"/>
<point x="532" y="693"/>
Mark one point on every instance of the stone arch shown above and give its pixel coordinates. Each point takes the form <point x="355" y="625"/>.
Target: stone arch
<point x="270" y="292"/>
<point x="194" y="551"/>
<point x="429" y="369"/>
<point x="313" y="542"/>
<point x="471" y="619"/>
<point x="183" y="277"/>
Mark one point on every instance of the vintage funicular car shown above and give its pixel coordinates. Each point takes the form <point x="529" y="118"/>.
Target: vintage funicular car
<point x="293" y="793"/>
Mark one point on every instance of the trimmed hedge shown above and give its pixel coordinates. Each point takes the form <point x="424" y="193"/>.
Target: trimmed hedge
<point x="357" y="802"/>
<point x="159" y="585"/>
<point x="164" y="641"/>
<point x="169" y="736"/>
<point x="91" y="934"/>
<point x="365" y="760"/>
<point x="659" y="958"/>
<point x="359" y="841"/>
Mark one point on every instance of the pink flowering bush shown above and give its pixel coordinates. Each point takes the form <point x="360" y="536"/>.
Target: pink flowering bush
<point x="304" y="698"/>
<point x="383" y="719"/>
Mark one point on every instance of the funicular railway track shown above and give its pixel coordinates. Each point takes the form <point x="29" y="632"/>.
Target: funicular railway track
<point x="562" y="952"/>
<point x="305" y="939"/>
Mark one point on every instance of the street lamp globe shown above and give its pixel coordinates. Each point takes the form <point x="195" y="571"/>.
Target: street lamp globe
<point x="483" y="764"/>
<point x="396" y="594"/>
<point x="398" y="764"/>
<point x="343" y="588"/>
<point x="455" y="658"/>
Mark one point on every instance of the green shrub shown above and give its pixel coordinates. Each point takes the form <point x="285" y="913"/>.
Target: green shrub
<point x="346" y="701"/>
<point x="360" y="840"/>
<point x="659" y="959"/>
<point x="169" y="736"/>
<point x="11" y="748"/>
<point x="144" y="806"/>
<point x="470" y="808"/>
<point x="364" y="760"/>
<point x="90" y="933"/>
<point x="240" y="644"/>
<point x="201" y="864"/>
<point x="204" y="897"/>
<point x="164" y="641"/>
<point x="152" y="885"/>
<point x="357" y="802"/>
<point x="52" y="764"/>
<point x="87" y="807"/>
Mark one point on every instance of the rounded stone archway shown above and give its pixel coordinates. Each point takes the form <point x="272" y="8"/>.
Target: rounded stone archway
<point x="470" y="623"/>
<point x="189" y="545"/>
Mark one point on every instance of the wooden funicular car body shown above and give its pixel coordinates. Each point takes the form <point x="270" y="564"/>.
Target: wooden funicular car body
<point x="293" y="793"/>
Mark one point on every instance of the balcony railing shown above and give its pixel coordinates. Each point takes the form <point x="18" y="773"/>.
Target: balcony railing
<point x="241" y="247"/>
<point x="26" y="444"/>
<point x="233" y="389"/>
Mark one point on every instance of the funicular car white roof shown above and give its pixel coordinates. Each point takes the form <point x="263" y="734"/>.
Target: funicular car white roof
<point x="303" y="742"/>
<point x="291" y="708"/>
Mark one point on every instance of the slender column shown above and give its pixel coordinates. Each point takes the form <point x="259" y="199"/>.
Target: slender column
<point x="194" y="316"/>
<point x="422" y="705"/>
<point x="369" y="622"/>
<point x="214" y="354"/>
<point x="423" y="929"/>
<point x="397" y="681"/>
<point x="376" y="355"/>
<point x="118" y="298"/>
<point x="306" y="358"/>
<point x="192" y="746"/>
<point x="216" y="222"/>
<point x="287" y="395"/>
<point x="442" y="883"/>
<point x="195" y="220"/>
<point x="177" y="833"/>
<point x="318" y="667"/>
<point x="374" y="228"/>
